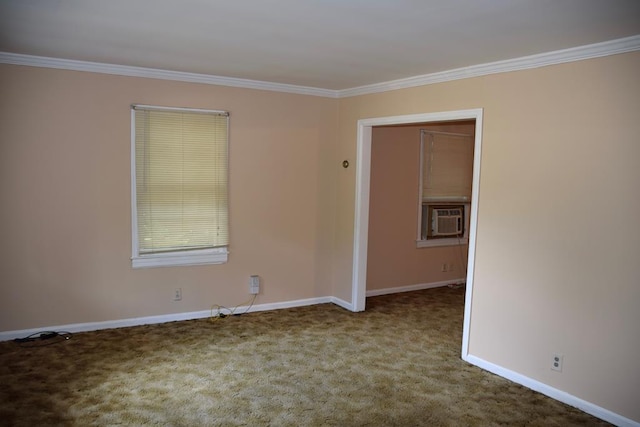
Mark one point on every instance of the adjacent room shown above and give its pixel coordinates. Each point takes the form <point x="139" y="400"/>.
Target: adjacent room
<point x="319" y="213"/>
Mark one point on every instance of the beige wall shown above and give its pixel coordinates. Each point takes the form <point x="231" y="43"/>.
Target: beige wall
<point x="560" y="152"/>
<point x="393" y="260"/>
<point x="65" y="220"/>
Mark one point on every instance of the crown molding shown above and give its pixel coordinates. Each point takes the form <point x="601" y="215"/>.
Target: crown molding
<point x="596" y="50"/>
<point x="153" y="73"/>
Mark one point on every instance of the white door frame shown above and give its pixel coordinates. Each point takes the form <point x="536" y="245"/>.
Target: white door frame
<point x="363" y="178"/>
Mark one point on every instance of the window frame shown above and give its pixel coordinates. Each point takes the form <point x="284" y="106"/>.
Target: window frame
<point x="440" y="200"/>
<point x="217" y="255"/>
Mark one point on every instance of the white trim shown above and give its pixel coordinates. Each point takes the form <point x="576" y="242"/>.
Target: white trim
<point x="137" y="321"/>
<point x="342" y="303"/>
<point x="420" y="190"/>
<point x="446" y="200"/>
<point x="410" y="288"/>
<point x="169" y="259"/>
<point x="134" y="190"/>
<point x="473" y="229"/>
<point x="611" y="47"/>
<point x="154" y="73"/>
<point x="361" y="225"/>
<point x="434" y="243"/>
<point x="179" y="109"/>
<point x="553" y="393"/>
<point x="361" y="220"/>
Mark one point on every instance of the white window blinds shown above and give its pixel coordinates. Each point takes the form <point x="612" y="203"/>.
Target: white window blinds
<point x="447" y="170"/>
<point x="181" y="180"/>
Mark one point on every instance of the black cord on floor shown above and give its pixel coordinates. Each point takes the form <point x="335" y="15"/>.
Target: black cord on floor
<point x="231" y="311"/>
<point x="40" y="339"/>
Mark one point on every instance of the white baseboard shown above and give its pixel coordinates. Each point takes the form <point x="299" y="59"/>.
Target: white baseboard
<point x="554" y="393"/>
<point x="342" y="303"/>
<point x="122" y="323"/>
<point x="409" y="288"/>
<point x="149" y="320"/>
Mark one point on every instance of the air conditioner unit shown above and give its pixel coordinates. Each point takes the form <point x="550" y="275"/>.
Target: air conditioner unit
<point x="447" y="221"/>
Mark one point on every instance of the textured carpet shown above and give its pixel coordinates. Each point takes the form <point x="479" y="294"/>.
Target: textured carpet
<point x="397" y="364"/>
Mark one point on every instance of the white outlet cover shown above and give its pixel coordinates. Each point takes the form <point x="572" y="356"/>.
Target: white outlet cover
<point x="556" y="362"/>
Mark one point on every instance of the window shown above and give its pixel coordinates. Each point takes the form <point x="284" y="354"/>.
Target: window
<point x="446" y="166"/>
<point x="179" y="186"/>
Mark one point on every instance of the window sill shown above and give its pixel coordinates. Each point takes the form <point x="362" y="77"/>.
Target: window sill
<point x="173" y="259"/>
<point x="433" y="243"/>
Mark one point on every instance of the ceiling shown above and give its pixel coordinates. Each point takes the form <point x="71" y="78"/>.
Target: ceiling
<point x="329" y="44"/>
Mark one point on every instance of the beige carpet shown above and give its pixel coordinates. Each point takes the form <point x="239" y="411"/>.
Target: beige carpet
<point x="397" y="364"/>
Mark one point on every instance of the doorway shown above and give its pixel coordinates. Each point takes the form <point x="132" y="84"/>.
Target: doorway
<point x="363" y="174"/>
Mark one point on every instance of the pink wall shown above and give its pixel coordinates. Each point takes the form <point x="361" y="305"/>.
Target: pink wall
<point x="559" y="149"/>
<point x="65" y="221"/>
<point x="393" y="258"/>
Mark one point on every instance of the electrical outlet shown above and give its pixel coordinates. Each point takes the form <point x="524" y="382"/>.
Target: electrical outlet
<point x="177" y="294"/>
<point x="556" y="362"/>
<point x="446" y="267"/>
<point x="254" y="284"/>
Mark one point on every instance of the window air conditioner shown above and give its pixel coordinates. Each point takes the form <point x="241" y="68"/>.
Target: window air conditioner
<point x="447" y="221"/>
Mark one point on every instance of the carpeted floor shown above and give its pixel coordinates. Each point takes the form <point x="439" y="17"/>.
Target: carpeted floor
<point x="397" y="364"/>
